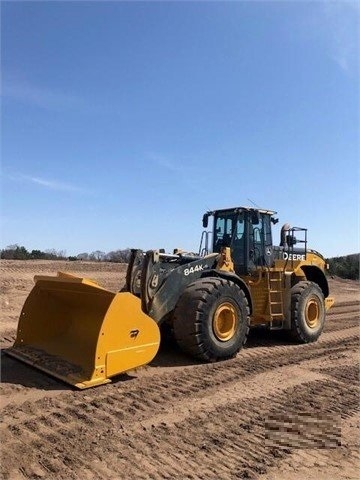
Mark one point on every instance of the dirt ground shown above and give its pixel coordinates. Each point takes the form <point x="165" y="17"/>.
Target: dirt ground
<point x="278" y="411"/>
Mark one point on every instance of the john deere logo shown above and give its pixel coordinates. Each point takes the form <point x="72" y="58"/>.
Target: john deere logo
<point x="294" y="256"/>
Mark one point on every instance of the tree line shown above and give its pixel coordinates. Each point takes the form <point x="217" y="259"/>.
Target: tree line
<point x="17" y="252"/>
<point x="345" y="267"/>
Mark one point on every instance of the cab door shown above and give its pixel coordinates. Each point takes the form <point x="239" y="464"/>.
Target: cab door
<point x="260" y="241"/>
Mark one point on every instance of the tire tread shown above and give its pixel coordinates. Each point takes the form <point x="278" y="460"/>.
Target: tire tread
<point x="190" y="312"/>
<point x="297" y="332"/>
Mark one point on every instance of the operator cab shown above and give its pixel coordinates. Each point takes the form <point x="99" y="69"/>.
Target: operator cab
<point x="247" y="231"/>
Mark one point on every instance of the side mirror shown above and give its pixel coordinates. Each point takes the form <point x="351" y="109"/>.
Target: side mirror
<point x="205" y="220"/>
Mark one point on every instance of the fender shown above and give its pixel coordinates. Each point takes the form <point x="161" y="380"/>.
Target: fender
<point x="234" y="278"/>
<point x="316" y="275"/>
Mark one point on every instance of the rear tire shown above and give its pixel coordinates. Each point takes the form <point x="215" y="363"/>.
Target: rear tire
<point x="307" y="312"/>
<point x="211" y="319"/>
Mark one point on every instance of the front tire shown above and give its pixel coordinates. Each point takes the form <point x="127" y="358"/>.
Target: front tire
<point x="307" y="312"/>
<point x="211" y="319"/>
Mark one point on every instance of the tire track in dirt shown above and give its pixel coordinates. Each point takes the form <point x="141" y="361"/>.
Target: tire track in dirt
<point x="342" y="323"/>
<point x="112" y="411"/>
<point x="228" y="437"/>
<point x="343" y="315"/>
<point x="193" y="378"/>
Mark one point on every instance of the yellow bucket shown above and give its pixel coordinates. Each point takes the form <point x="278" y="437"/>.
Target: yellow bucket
<point x="77" y="331"/>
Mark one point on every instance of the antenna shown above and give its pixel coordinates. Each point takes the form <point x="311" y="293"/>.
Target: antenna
<point x="257" y="206"/>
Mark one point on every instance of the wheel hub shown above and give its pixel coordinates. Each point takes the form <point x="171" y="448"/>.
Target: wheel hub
<point x="225" y="321"/>
<point x="312" y="314"/>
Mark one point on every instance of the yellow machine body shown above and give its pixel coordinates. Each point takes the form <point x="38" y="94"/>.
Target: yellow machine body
<point x="77" y="331"/>
<point x="271" y="287"/>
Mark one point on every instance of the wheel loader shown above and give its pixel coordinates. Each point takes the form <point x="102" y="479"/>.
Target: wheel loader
<point x="83" y="334"/>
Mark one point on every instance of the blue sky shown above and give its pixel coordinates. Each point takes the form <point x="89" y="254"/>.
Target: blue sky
<point x="123" y="122"/>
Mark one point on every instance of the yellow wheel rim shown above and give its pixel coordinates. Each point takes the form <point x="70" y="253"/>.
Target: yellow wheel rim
<point x="312" y="314"/>
<point x="225" y="322"/>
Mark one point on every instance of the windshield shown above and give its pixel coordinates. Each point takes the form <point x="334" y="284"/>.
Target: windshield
<point x="228" y="230"/>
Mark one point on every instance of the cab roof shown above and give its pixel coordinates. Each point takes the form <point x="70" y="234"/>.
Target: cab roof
<point x="239" y="209"/>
